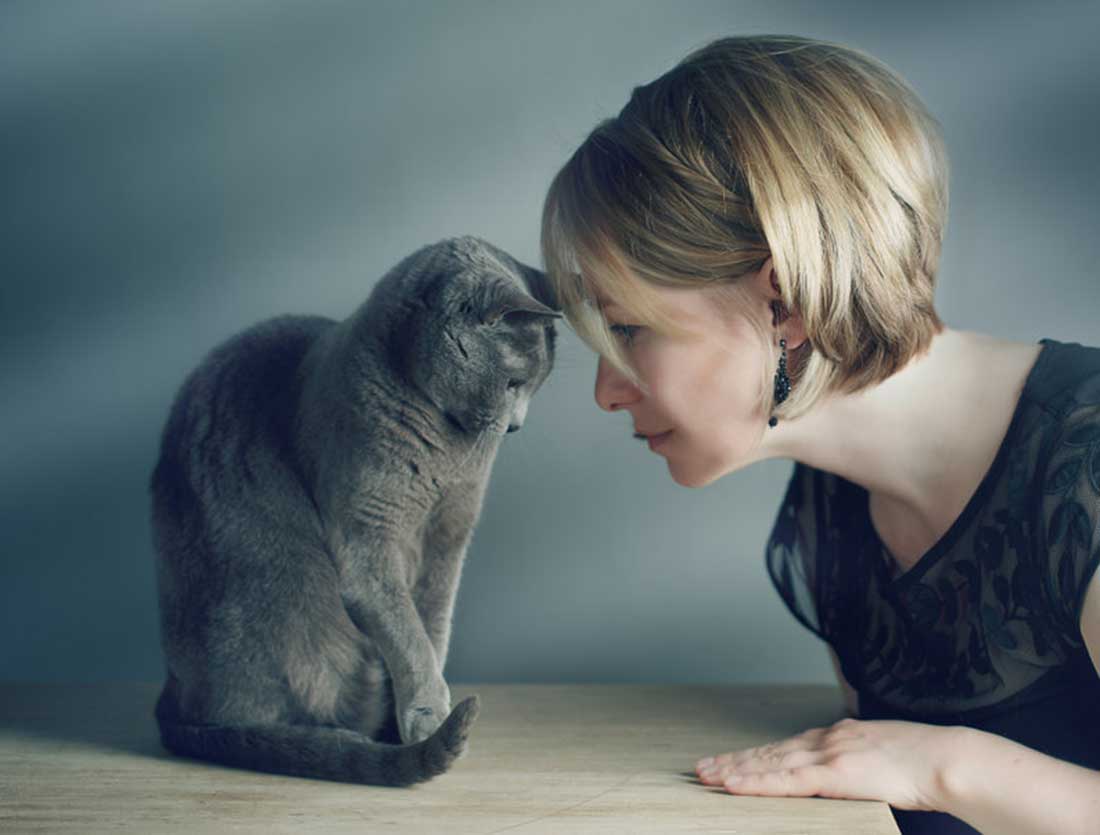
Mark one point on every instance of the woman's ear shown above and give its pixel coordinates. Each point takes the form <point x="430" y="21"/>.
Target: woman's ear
<point x="792" y="329"/>
<point x="787" y="322"/>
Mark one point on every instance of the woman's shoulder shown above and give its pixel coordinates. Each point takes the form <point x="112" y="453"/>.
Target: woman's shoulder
<point x="1067" y="479"/>
<point x="1066" y="378"/>
<point x="823" y="500"/>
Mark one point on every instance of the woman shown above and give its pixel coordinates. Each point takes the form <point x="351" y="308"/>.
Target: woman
<point x="751" y="246"/>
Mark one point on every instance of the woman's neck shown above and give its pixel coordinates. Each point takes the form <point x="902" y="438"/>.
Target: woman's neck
<point x="921" y="441"/>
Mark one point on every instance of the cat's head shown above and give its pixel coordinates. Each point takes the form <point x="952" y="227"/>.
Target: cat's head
<point x="474" y="334"/>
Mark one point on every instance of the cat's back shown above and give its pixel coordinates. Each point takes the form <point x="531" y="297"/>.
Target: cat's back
<point x="234" y="411"/>
<point x="241" y="569"/>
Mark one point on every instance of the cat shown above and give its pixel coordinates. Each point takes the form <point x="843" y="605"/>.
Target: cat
<point x="317" y="486"/>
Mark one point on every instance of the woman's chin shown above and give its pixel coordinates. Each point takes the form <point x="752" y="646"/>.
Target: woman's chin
<point x="701" y="473"/>
<point x="691" y="477"/>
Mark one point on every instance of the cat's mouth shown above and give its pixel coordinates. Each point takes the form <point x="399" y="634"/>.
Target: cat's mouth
<point x="475" y="424"/>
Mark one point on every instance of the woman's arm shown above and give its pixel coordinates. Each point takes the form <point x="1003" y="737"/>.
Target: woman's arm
<point x="997" y="785"/>
<point x="1003" y="788"/>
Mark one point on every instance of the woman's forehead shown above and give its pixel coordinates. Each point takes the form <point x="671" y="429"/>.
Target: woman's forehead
<point x="604" y="302"/>
<point x="690" y="307"/>
<point x="667" y="298"/>
<point x="608" y="305"/>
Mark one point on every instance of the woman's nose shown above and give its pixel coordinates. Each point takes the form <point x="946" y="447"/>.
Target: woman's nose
<point x="613" y="389"/>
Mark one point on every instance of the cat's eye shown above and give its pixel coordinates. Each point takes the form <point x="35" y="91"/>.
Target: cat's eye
<point x="625" y="332"/>
<point x="515" y="384"/>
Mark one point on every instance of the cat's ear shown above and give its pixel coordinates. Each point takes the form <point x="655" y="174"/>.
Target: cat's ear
<point x="504" y="298"/>
<point x="540" y="286"/>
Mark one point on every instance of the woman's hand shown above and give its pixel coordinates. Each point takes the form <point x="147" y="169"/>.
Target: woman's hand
<point x="900" y="763"/>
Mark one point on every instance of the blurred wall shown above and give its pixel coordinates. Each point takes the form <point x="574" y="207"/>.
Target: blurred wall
<point x="173" y="172"/>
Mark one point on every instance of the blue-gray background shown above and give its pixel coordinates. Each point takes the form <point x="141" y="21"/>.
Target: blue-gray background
<point x="173" y="172"/>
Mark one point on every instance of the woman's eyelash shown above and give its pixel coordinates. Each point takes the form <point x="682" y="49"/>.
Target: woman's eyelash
<point x="625" y="331"/>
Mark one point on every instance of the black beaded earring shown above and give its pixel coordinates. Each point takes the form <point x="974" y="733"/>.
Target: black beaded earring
<point x="782" y="381"/>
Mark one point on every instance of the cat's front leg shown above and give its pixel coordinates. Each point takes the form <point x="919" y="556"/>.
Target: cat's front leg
<point x="387" y="616"/>
<point x="445" y="542"/>
<point x="424" y="710"/>
<point x="377" y="599"/>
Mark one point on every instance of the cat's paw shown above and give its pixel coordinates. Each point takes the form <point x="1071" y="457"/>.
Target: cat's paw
<point x="423" y="716"/>
<point x="420" y="722"/>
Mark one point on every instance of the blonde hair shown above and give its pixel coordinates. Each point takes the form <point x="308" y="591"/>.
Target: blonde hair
<point x="813" y="153"/>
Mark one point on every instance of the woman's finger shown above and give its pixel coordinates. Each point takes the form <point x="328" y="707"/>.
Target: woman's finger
<point x="784" y="761"/>
<point x="798" y="781"/>
<point x="772" y="752"/>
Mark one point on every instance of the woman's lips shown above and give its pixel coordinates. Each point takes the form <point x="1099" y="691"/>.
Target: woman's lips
<point x="657" y="440"/>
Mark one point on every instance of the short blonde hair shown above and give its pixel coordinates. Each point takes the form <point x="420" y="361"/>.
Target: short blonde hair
<point x="813" y="153"/>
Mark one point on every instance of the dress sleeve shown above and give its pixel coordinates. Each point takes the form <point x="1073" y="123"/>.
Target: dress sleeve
<point x="790" y="552"/>
<point x="1070" y="516"/>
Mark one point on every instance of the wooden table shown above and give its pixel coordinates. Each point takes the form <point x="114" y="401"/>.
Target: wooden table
<point x="542" y="759"/>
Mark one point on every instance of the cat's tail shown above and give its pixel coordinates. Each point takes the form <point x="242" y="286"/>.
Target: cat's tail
<point x="325" y="753"/>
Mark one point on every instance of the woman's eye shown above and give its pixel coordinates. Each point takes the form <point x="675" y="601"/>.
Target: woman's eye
<point x="625" y="332"/>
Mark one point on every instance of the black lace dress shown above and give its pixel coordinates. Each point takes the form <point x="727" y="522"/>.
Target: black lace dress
<point x="984" y="630"/>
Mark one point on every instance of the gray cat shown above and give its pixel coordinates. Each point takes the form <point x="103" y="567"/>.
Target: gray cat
<point x="317" y="487"/>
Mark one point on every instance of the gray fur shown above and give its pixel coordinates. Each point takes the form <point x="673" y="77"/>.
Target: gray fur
<point x="317" y="487"/>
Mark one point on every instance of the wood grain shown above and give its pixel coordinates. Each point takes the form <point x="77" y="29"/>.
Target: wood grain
<point x="543" y="759"/>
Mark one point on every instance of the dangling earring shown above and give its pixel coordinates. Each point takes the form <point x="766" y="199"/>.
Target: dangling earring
<point x="782" y="381"/>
